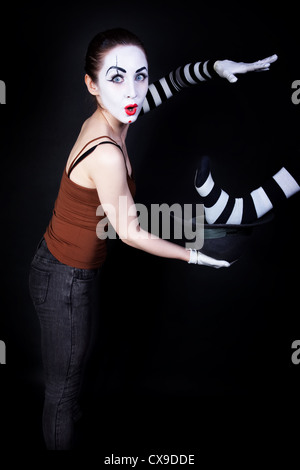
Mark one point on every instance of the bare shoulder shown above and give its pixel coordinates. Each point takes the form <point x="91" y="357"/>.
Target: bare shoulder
<point x="108" y="155"/>
<point x="107" y="161"/>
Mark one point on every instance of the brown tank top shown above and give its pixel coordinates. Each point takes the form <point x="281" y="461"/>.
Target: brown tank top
<point x="71" y="234"/>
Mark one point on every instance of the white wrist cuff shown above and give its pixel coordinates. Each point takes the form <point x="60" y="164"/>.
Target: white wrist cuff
<point x="193" y="257"/>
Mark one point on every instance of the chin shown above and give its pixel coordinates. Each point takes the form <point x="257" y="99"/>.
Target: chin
<point x="129" y="119"/>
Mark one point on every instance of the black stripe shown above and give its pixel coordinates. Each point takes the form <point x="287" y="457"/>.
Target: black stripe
<point x="203" y="171"/>
<point x="211" y="70"/>
<point x="150" y="100"/>
<point x="174" y="76"/>
<point x="224" y="216"/>
<point x="249" y="212"/>
<point x="212" y="197"/>
<point x="273" y="191"/>
<point x="192" y="73"/>
<point x="161" y="91"/>
<point x="183" y="77"/>
<point x="201" y="71"/>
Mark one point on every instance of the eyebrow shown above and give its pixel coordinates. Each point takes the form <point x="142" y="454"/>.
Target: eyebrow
<point x="123" y="70"/>
<point x="139" y="70"/>
<point x="115" y="67"/>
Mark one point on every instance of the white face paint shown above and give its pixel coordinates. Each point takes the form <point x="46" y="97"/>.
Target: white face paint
<point x="123" y="82"/>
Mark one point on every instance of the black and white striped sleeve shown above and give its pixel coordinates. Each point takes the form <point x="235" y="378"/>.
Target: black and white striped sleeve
<point x="175" y="81"/>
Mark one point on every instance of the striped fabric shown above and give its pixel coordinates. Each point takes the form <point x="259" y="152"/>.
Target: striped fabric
<point x="221" y="208"/>
<point x="175" y="81"/>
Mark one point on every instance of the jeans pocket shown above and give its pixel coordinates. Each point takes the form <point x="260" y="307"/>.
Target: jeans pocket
<point x="38" y="285"/>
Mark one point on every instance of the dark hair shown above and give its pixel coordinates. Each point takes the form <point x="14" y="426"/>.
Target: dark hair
<point x="104" y="42"/>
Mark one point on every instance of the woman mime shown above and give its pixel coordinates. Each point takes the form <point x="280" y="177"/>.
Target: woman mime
<point x="98" y="171"/>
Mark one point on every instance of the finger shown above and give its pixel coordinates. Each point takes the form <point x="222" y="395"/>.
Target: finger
<point x="261" y="64"/>
<point x="222" y="264"/>
<point x="251" y="67"/>
<point x="229" y="76"/>
<point x="232" y="78"/>
<point x="271" y="59"/>
<point x="268" y="60"/>
<point x="262" y="70"/>
<point x="212" y="262"/>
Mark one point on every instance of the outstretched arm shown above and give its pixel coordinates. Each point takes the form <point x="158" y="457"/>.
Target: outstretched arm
<point x="110" y="176"/>
<point x="175" y="81"/>
<point x="228" y="69"/>
<point x="194" y="73"/>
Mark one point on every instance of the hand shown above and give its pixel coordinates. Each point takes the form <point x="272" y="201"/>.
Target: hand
<point x="227" y="68"/>
<point x="196" y="257"/>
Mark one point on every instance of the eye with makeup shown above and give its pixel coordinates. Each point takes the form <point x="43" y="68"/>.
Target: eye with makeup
<point x="141" y="77"/>
<point x="117" y="78"/>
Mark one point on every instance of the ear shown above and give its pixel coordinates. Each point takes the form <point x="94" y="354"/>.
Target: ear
<point x="91" y="86"/>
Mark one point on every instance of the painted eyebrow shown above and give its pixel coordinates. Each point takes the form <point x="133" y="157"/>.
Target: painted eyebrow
<point x="115" y="67"/>
<point x="123" y="70"/>
<point x="139" y="70"/>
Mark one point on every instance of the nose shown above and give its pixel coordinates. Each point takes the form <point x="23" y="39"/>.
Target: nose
<point x="131" y="90"/>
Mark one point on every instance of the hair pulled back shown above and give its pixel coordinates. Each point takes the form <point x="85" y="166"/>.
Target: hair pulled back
<point x="105" y="41"/>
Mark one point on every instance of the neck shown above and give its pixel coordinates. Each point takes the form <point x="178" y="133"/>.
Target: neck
<point x="117" y="129"/>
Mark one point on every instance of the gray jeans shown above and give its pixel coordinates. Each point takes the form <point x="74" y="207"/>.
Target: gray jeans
<point x="62" y="297"/>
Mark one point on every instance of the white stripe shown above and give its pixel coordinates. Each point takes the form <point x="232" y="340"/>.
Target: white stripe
<point x="205" y="69"/>
<point x="237" y="212"/>
<point x="197" y="73"/>
<point x="261" y="201"/>
<point x="188" y="75"/>
<point x="155" y="94"/>
<point x="146" y="106"/>
<point x="206" y="187"/>
<point x="217" y="208"/>
<point x="287" y="183"/>
<point x="166" y="88"/>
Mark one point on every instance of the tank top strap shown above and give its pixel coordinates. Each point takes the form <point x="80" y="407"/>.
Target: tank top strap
<point x="79" y="157"/>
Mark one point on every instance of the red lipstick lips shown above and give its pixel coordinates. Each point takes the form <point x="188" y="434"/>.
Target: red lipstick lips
<point x="130" y="110"/>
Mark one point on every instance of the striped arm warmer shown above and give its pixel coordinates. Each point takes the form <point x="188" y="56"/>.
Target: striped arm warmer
<point x="175" y="81"/>
<point x="222" y="208"/>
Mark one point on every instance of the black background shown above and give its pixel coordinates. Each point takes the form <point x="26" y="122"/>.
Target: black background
<point x="181" y="351"/>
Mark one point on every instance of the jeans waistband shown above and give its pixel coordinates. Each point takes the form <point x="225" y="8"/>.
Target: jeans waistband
<point x="45" y="256"/>
<point x="43" y="251"/>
